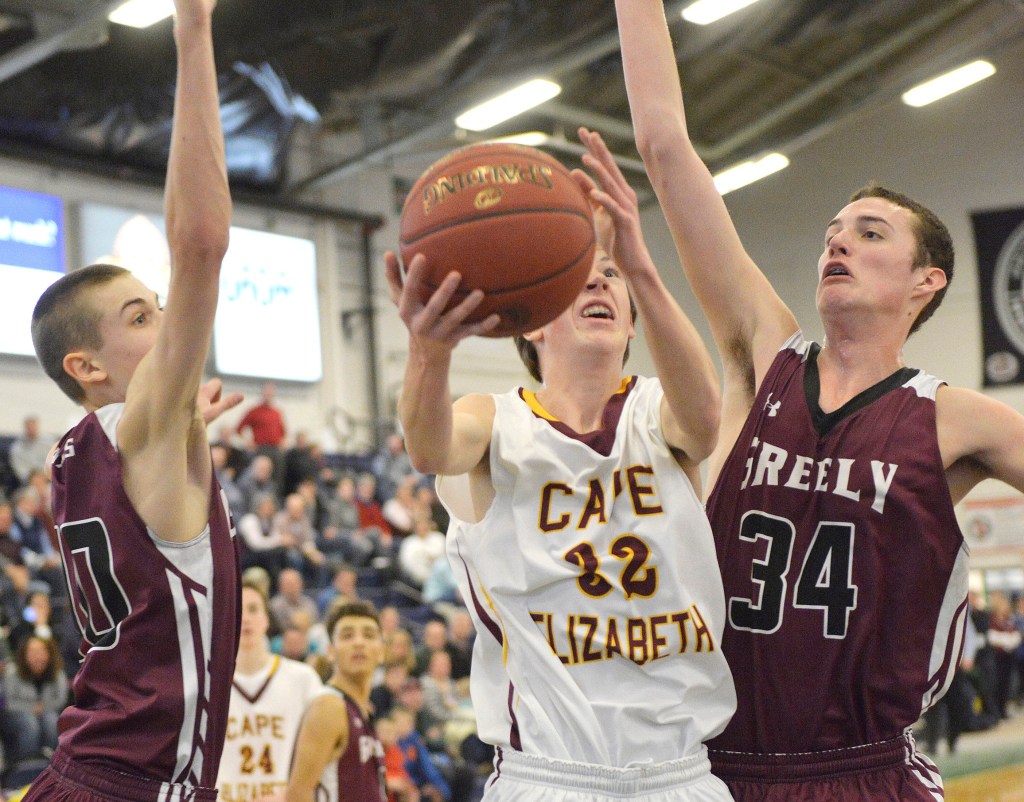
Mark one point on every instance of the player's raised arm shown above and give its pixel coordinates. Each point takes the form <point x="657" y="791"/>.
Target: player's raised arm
<point x="439" y="438"/>
<point x="197" y="207"/>
<point x="690" y="412"/>
<point x="748" y="320"/>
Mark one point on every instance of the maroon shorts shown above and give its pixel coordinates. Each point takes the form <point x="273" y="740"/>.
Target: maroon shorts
<point x="65" y="780"/>
<point x="889" y="771"/>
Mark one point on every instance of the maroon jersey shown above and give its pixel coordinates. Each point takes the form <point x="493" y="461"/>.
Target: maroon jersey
<point x="159" y="621"/>
<point x="359" y="772"/>
<point x="844" y="568"/>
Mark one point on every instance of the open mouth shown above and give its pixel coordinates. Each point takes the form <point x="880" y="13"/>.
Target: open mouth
<point x="598" y="310"/>
<point x="834" y="269"/>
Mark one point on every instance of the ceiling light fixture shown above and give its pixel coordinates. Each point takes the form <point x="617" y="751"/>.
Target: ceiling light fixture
<point x="533" y="139"/>
<point x="947" y="84"/>
<point x="508" y="105"/>
<point x="749" y="172"/>
<point x="704" y="12"/>
<point x="142" y="13"/>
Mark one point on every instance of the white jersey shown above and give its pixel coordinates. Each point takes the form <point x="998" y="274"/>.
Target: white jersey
<point x="594" y="585"/>
<point x="263" y="722"/>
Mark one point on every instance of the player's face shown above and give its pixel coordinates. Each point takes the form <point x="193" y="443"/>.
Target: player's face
<point x="358" y="646"/>
<point x="601" y="310"/>
<point x="868" y="258"/>
<point x="130" y="321"/>
<point x="255" y="620"/>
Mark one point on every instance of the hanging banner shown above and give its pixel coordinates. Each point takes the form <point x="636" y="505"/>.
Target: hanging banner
<point x="999" y="240"/>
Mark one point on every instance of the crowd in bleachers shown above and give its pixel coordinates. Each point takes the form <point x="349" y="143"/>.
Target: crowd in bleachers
<point x="315" y="528"/>
<point x="312" y="528"/>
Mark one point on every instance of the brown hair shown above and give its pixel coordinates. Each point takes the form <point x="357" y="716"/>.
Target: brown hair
<point x="528" y="351"/>
<point x="934" y="244"/>
<point x="358" y="609"/>
<point x="53" y="666"/>
<point x="64" y="320"/>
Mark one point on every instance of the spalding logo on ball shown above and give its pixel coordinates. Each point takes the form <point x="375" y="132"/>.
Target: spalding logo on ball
<point x="512" y="221"/>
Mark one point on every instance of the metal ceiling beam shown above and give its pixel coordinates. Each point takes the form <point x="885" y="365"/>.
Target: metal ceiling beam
<point x="55" y="40"/>
<point x="442" y="123"/>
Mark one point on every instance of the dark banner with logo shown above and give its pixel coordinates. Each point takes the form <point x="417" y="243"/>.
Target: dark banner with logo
<point x="999" y="239"/>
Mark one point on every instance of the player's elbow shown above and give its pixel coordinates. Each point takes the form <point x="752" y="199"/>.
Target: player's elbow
<point x="205" y="243"/>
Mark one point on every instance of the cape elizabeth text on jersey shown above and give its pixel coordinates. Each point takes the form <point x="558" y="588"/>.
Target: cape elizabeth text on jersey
<point x="578" y="638"/>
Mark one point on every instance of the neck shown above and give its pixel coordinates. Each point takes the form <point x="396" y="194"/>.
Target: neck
<point x="848" y="367"/>
<point x="578" y="398"/>
<point x="253" y="658"/>
<point x="357" y="687"/>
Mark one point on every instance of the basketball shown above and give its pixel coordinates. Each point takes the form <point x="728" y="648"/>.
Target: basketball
<point x="512" y="221"/>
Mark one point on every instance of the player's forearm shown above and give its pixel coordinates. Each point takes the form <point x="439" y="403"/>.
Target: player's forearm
<point x="197" y="200"/>
<point x="425" y="410"/>
<point x="683" y="365"/>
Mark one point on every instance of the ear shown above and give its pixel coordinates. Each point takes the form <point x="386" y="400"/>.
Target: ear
<point x="79" y="365"/>
<point x="534" y="336"/>
<point x="931" y="280"/>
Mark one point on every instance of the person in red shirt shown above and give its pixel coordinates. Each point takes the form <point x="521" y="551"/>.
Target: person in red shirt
<point x="264" y="420"/>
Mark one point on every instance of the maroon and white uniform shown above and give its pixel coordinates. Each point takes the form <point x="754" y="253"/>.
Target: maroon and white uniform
<point x="845" y="573"/>
<point x="159" y="622"/>
<point x="358" y="773"/>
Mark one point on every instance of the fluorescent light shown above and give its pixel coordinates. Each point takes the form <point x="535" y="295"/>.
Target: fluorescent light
<point x="947" y="84"/>
<point x="704" y="12"/>
<point x="749" y="172"/>
<point x="532" y="138"/>
<point x="142" y="13"/>
<point x="508" y="105"/>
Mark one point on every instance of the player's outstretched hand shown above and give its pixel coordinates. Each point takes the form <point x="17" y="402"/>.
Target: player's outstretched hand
<point x="620" y="232"/>
<point x="428" y="323"/>
<point x="212" y="403"/>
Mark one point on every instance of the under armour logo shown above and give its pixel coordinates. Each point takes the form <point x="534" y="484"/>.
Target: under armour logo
<point x="773" y="409"/>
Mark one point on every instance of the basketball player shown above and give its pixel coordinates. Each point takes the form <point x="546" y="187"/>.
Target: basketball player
<point x="338" y="756"/>
<point x="268" y="696"/>
<point x="577" y="536"/>
<point x="144" y="532"/>
<point x="834" y="481"/>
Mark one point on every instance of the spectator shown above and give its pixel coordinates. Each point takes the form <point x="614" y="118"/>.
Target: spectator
<point x="37" y="551"/>
<point x="438" y="688"/>
<point x="300" y="463"/>
<point x="289" y="598"/>
<point x="370" y="512"/>
<point x="298" y="536"/>
<point x="418" y="552"/>
<point x="435" y="639"/>
<point x="258" y="480"/>
<point x="398" y="648"/>
<point x="427" y="498"/>
<point x="265" y="424"/>
<point x="29" y="450"/>
<point x="1005" y="639"/>
<point x="35" y="620"/>
<point x="36" y="690"/>
<point x="10" y="549"/>
<point x="425" y="774"/>
<point x="41" y="482"/>
<point x="384" y="695"/>
<point x="400" y="786"/>
<point x="441" y="591"/>
<point x="293" y="644"/>
<point x="238" y="456"/>
<point x="392" y="467"/>
<point x="316" y="502"/>
<point x="402" y="509"/>
<point x="263" y="545"/>
<point x="226" y="476"/>
<point x="461" y="634"/>
<point x="343" y="586"/>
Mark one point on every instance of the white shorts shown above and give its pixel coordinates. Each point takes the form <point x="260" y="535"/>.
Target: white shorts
<point x="519" y="777"/>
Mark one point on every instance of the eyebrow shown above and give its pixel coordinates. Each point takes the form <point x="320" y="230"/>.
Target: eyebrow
<point x="864" y="218"/>
<point x="136" y="301"/>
